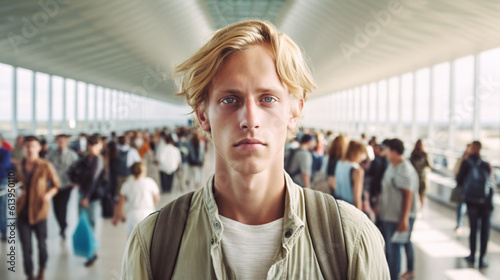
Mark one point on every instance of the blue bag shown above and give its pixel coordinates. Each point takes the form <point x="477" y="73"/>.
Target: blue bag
<point x="84" y="242"/>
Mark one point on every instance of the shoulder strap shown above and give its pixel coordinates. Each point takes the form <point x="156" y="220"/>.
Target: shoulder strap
<point x="167" y="236"/>
<point x="325" y="226"/>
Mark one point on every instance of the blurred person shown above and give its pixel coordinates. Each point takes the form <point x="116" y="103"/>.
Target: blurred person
<point x="141" y="194"/>
<point x="113" y="136"/>
<point x="169" y="161"/>
<point x="62" y="158"/>
<point x="475" y="175"/>
<point x="299" y="161"/>
<point x="17" y="153"/>
<point x="183" y="146"/>
<point x="318" y="152"/>
<point x="458" y="191"/>
<point x="398" y="207"/>
<point x="420" y="162"/>
<point x="349" y="174"/>
<point x="80" y="145"/>
<point x="125" y="158"/>
<point x="44" y="150"/>
<point x="196" y="159"/>
<point x="5" y="167"/>
<point x="142" y="145"/>
<point x="376" y="174"/>
<point x="5" y="144"/>
<point x="33" y="203"/>
<point x="336" y="152"/>
<point x="88" y="190"/>
<point x="250" y="211"/>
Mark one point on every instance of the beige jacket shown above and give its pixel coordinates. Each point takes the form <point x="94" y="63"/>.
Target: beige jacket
<point x="201" y="257"/>
<point x="39" y="208"/>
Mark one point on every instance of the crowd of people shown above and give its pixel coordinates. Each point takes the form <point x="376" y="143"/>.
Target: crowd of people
<point x="389" y="187"/>
<point x="107" y="171"/>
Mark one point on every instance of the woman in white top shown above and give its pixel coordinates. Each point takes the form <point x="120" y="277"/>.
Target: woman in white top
<point x="142" y="195"/>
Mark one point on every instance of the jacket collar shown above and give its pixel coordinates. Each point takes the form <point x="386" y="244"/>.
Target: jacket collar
<point x="293" y="225"/>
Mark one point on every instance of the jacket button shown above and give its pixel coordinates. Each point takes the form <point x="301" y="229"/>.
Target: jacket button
<point x="288" y="233"/>
<point x="217" y="225"/>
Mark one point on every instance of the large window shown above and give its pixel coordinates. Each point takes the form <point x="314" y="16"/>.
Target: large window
<point x="24" y="99"/>
<point x="382" y="107"/>
<point x="393" y="103"/>
<point x="364" y="108"/>
<point x="6" y="76"/>
<point x="70" y="104"/>
<point x="422" y="92"/>
<point x="441" y="96"/>
<point x="464" y="100"/>
<point x="42" y="103"/>
<point x="489" y="99"/>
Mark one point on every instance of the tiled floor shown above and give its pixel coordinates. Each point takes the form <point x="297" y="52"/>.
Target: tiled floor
<point x="439" y="251"/>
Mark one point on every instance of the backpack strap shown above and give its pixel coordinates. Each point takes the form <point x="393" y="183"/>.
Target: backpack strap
<point x="167" y="236"/>
<point x="325" y="226"/>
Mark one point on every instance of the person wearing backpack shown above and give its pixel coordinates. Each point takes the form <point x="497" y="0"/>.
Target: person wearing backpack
<point x="476" y="180"/>
<point x="250" y="220"/>
<point x="91" y="187"/>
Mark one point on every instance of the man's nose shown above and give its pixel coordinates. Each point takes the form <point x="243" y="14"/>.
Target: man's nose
<point x="249" y="116"/>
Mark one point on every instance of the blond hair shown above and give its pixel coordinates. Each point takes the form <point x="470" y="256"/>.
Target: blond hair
<point x="196" y="74"/>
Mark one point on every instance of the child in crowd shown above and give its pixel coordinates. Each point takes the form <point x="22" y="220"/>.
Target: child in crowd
<point x="141" y="193"/>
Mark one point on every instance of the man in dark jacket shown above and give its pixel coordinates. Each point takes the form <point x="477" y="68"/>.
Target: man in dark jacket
<point x="476" y="211"/>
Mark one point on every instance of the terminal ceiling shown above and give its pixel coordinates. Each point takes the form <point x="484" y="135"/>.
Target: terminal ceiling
<point x="129" y="45"/>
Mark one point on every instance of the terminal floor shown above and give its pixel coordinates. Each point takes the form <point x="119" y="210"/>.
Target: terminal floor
<point x="439" y="251"/>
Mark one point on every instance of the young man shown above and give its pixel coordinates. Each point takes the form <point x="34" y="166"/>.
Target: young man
<point x="62" y="159"/>
<point x="33" y="204"/>
<point x="398" y="206"/>
<point x="477" y="212"/>
<point x="302" y="161"/>
<point x="247" y="86"/>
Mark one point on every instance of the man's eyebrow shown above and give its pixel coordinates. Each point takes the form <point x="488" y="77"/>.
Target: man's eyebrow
<point x="237" y="91"/>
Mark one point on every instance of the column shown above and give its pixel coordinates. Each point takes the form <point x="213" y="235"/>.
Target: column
<point x="64" y="127"/>
<point x="14" y="101"/>
<point x="33" y="104"/>
<point x="76" y="106"/>
<point x="86" y="108"/>
<point x="452" y="118"/>
<point x="400" y="105"/>
<point x="430" y="125"/>
<point x="476" y="128"/>
<point x="50" y="124"/>
<point x="414" y="128"/>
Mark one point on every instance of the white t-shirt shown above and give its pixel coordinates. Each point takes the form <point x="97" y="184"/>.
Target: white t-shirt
<point x="250" y="250"/>
<point x="140" y="203"/>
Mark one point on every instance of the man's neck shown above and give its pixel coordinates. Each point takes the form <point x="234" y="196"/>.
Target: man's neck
<point x="397" y="161"/>
<point x="31" y="160"/>
<point x="253" y="199"/>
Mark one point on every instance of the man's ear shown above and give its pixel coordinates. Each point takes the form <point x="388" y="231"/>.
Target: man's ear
<point x="295" y="112"/>
<point x="202" y="116"/>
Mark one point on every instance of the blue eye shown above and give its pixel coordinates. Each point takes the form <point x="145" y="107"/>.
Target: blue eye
<point x="268" y="99"/>
<point x="228" y="100"/>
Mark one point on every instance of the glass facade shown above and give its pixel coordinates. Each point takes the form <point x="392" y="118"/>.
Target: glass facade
<point x="45" y="105"/>
<point x="447" y="105"/>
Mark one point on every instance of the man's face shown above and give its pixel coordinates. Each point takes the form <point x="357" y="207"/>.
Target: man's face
<point x="391" y="155"/>
<point x="62" y="143"/>
<point x="248" y="112"/>
<point x="32" y="148"/>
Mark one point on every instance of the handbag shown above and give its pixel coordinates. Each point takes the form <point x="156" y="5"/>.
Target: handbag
<point x="456" y="194"/>
<point x="84" y="241"/>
